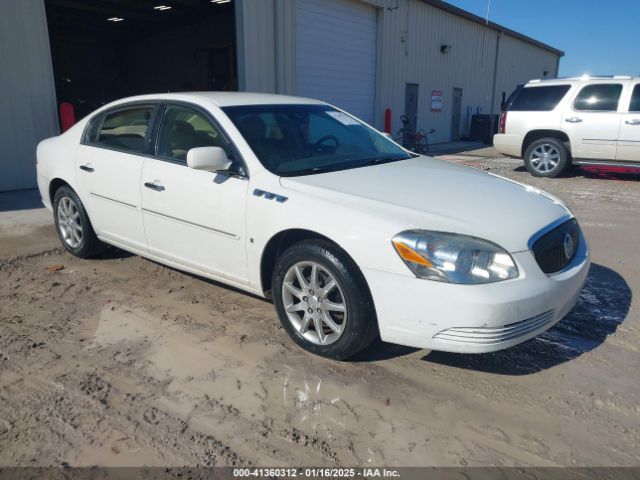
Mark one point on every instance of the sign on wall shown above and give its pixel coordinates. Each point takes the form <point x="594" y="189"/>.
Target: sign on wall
<point x="436" y="100"/>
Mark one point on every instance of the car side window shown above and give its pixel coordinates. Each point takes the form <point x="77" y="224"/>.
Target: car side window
<point x="601" y="97"/>
<point x="634" y="106"/>
<point x="537" y="99"/>
<point x="184" y="128"/>
<point x="91" y="131"/>
<point x="126" y="129"/>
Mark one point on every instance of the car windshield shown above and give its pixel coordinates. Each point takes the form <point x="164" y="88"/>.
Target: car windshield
<point x="293" y="140"/>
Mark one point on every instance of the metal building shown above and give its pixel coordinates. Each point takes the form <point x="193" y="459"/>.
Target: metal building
<point x="422" y="56"/>
<point x="425" y="58"/>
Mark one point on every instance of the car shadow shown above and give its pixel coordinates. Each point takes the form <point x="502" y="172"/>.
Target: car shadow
<point x="112" y="253"/>
<point x="380" y="350"/>
<point x="603" y="305"/>
<point x="595" y="172"/>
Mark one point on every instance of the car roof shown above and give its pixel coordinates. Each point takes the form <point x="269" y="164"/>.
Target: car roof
<point x="582" y="79"/>
<point x="225" y="99"/>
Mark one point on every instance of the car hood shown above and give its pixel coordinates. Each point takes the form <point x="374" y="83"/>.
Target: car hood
<point x="431" y="194"/>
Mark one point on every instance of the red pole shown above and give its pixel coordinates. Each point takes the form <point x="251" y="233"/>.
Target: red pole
<point x="387" y="120"/>
<point x="67" y="116"/>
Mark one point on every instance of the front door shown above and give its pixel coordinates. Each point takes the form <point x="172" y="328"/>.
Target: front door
<point x="456" y="110"/>
<point x="593" y="122"/>
<point x="192" y="217"/>
<point x="411" y="105"/>
<point x="629" y="139"/>
<point x="108" y="165"/>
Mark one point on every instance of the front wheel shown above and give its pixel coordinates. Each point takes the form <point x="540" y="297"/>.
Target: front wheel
<point x="546" y="157"/>
<point x="323" y="301"/>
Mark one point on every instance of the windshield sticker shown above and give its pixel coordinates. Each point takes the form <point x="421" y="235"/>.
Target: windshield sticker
<point x="343" y="118"/>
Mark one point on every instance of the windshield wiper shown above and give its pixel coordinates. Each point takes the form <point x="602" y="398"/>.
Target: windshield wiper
<point x="313" y="171"/>
<point x="380" y="160"/>
<point x="335" y="168"/>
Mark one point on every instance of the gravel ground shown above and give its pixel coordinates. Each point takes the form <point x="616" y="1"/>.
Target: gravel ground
<point x="120" y="361"/>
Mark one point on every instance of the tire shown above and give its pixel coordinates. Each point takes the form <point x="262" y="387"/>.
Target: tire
<point x="73" y="224"/>
<point x="555" y="162"/>
<point x="357" y="323"/>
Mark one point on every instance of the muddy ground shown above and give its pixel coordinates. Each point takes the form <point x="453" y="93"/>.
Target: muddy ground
<point x="120" y="361"/>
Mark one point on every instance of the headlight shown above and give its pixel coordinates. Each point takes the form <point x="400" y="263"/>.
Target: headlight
<point x="453" y="258"/>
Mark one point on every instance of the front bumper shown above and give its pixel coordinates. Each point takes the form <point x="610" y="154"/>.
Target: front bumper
<point x="476" y="318"/>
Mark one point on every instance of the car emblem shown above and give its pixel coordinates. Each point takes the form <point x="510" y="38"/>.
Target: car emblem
<point x="567" y="243"/>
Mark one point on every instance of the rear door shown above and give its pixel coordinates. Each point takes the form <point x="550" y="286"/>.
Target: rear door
<point x="109" y="163"/>
<point x="629" y="141"/>
<point x="592" y="122"/>
<point x="192" y="217"/>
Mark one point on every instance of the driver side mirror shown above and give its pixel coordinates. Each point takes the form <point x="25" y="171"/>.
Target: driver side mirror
<point x="209" y="159"/>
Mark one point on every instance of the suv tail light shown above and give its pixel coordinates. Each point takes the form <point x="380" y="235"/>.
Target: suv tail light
<point x="503" y="122"/>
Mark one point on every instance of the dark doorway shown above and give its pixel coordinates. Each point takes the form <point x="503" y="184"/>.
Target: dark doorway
<point x="411" y="104"/>
<point x="103" y="50"/>
<point x="456" y="110"/>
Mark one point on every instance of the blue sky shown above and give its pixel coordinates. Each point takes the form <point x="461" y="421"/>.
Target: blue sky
<point x="598" y="37"/>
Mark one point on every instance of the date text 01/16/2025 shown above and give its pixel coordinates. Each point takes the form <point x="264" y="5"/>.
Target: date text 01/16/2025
<point x="315" y="472"/>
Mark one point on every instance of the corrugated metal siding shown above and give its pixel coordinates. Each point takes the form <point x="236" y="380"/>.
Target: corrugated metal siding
<point x="265" y="31"/>
<point x="256" y="26"/>
<point x="410" y="53"/>
<point x="409" y="40"/>
<point x="412" y="36"/>
<point x="520" y="62"/>
<point x="28" y="102"/>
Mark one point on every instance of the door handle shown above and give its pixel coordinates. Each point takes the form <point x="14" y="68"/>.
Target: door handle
<point x="634" y="121"/>
<point x="154" y="186"/>
<point x="573" y="120"/>
<point x="87" y="168"/>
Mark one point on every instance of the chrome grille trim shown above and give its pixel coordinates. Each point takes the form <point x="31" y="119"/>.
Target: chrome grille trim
<point x="493" y="335"/>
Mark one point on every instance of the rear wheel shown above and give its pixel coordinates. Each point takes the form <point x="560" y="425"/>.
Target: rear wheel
<point x="322" y="300"/>
<point x="546" y="157"/>
<point x="73" y="225"/>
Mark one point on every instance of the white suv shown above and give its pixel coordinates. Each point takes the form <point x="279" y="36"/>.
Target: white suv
<point x="553" y="124"/>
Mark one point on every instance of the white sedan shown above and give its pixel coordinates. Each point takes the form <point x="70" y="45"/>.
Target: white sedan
<point x="295" y="200"/>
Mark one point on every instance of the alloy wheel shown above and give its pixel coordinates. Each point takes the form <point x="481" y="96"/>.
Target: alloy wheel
<point x="314" y="303"/>
<point x="69" y="222"/>
<point x="544" y="158"/>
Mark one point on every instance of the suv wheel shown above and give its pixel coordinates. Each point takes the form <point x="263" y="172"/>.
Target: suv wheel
<point x="322" y="300"/>
<point x="546" y="157"/>
<point x="73" y="225"/>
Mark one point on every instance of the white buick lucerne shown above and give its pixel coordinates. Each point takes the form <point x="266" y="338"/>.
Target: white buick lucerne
<point x="295" y="200"/>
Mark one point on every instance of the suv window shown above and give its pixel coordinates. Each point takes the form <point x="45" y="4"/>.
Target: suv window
<point x="183" y="129"/>
<point x="537" y="99"/>
<point x="635" y="99"/>
<point x="126" y="129"/>
<point x="601" y="97"/>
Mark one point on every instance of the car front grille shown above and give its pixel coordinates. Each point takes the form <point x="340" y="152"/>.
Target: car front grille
<point x="495" y="335"/>
<point x="555" y="249"/>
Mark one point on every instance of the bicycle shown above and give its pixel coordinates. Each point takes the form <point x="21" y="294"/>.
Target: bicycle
<point x="416" y="141"/>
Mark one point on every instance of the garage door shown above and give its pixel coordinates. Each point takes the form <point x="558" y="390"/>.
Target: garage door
<point x="336" y="54"/>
